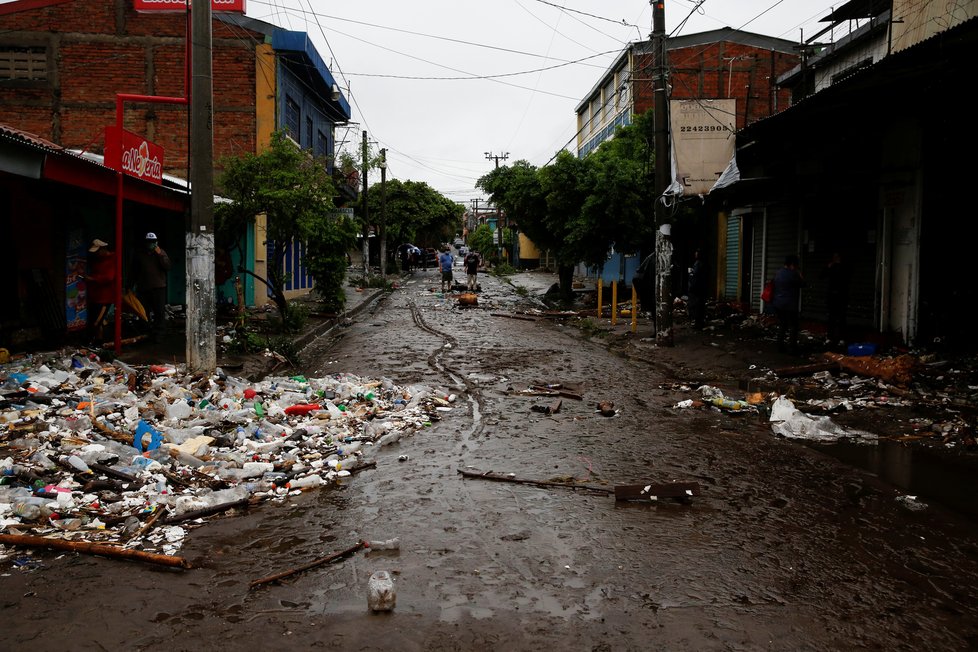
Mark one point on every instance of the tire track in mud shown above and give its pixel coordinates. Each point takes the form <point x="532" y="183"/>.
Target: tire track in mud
<point x="473" y="394"/>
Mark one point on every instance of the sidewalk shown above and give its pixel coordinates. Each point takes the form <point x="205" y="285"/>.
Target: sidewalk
<point x="172" y="350"/>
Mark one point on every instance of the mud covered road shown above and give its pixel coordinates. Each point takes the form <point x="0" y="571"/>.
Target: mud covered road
<point x="784" y="548"/>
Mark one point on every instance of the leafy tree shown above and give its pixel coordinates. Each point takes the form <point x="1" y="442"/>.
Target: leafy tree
<point x="295" y="193"/>
<point x="481" y="240"/>
<point x="415" y="212"/>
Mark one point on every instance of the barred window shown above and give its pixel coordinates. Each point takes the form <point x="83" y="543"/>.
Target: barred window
<point x="23" y="63"/>
<point x="293" y="119"/>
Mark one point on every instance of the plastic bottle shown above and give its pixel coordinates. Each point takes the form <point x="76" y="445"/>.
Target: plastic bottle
<point x="381" y="595"/>
<point x="76" y="462"/>
<point x="389" y="544"/>
<point x="314" y="480"/>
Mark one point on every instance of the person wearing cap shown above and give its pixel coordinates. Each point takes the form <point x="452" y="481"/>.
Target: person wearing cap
<point x="99" y="287"/>
<point x="150" y="267"/>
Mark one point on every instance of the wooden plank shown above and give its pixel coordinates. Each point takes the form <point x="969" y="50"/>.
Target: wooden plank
<point x="657" y="491"/>
<point x="806" y="369"/>
<point x="497" y="477"/>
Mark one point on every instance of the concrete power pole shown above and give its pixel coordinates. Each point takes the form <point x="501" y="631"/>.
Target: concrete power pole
<point x="366" y="222"/>
<point x="663" y="234"/>
<point x="201" y="336"/>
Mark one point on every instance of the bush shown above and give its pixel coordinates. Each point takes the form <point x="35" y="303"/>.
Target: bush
<point x="286" y="347"/>
<point x="372" y="281"/>
<point x="503" y="269"/>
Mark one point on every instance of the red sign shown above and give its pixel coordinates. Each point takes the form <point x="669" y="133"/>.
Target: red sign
<point x="133" y="155"/>
<point x="236" y="6"/>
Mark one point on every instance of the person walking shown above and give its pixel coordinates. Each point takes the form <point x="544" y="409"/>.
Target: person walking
<point x="471" y="262"/>
<point x="99" y="287"/>
<point x="445" y="263"/>
<point x="150" y="267"/>
<point x="788" y="283"/>
<point x="697" y="291"/>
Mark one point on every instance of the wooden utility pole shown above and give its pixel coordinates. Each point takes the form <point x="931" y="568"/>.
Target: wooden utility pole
<point x="201" y="335"/>
<point x="365" y="214"/>
<point x="383" y="213"/>
<point x="499" y="218"/>
<point x="663" y="233"/>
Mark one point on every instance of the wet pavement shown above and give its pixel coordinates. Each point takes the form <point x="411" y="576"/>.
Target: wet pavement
<point x="783" y="547"/>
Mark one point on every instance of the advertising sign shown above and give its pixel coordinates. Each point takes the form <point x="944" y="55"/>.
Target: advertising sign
<point x="703" y="141"/>
<point x="133" y="155"/>
<point x="236" y="6"/>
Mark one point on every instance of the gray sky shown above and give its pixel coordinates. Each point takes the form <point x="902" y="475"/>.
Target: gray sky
<point x="441" y="82"/>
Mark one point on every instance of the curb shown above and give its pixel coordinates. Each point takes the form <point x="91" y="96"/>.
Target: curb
<point x="327" y="326"/>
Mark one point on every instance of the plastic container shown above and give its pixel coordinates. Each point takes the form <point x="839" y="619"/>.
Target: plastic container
<point x="389" y="544"/>
<point x="381" y="594"/>
<point x="861" y="349"/>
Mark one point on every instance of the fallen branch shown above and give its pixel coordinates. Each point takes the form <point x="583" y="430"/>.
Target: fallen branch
<point x="150" y="522"/>
<point x="305" y="567"/>
<point x="93" y="549"/>
<point x="489" y="475"/>
<point x="520" y="317"/>
<point x="559" y="391"/>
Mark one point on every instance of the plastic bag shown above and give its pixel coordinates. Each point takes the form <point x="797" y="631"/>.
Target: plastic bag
<point x="767" y="295"/>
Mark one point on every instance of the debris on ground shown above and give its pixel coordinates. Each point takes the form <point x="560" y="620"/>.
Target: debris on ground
<point x="135" y="456"/>
<point x="792" y="423"/>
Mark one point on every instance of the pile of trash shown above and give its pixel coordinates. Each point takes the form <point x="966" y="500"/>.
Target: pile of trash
<point x="106" y="452"/>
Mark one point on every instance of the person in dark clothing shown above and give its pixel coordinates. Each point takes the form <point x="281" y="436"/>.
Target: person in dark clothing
<point x="836" y="273"/>
<point x="697" y="291"/>
<point x="150" y="267"/>
<point x="471" y="263"/>
<point x="788" y="283"/>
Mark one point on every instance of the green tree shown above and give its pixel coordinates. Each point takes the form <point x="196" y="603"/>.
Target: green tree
<point x="415" y="213"/>
<point x="481" y="240"/>
<point x="295" y="193"/>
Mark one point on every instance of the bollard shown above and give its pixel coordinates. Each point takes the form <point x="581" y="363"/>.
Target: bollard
<point x="614" y="302"/>
<point x="634" y="309"/>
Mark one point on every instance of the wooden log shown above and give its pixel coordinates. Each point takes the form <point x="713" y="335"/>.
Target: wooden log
<point x="316" y="562"/>
<point x="207" y="511"/>
<point x="93" y="549"/>
<point x="102" y="469"/>
<point x="489" y="475"/>
<point x="652" y="492"/>
<point x="559" y="391"/>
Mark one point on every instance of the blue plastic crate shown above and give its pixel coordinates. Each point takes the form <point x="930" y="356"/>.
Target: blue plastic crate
<point x="863" y="348"/>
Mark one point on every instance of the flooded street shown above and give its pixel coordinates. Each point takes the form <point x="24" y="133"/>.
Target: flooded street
<point x="783" y="547"/>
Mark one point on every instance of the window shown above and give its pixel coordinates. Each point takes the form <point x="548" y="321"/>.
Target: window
<point x="308" y="133"/>
<point x="23" y="63"/>
<point x="322" y="144"/>
<point x="292" y="118"/>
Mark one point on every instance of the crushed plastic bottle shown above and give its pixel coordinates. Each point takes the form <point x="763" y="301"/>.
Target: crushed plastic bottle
<point x="381" y="594"/>
<point x="388" y="544"/>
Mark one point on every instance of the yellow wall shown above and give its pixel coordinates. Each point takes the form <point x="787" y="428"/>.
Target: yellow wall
<point x="528" y="250"/>
<point x="264" y="96"/>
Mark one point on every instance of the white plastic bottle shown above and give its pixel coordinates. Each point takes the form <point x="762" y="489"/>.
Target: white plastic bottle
<point x="381" y="594"/>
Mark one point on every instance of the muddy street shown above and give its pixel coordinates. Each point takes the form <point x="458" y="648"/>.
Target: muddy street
<point x="780" y="548"/>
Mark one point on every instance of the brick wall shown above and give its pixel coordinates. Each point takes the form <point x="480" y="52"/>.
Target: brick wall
<point x="98" y="48"/>
<point x="720" y="71"/>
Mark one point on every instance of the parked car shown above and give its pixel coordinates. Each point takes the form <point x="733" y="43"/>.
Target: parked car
<point x="462" y="250"/>
<point x="430" y="257"/>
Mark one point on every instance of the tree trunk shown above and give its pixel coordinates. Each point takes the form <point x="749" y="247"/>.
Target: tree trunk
<point x="565" y="278"/>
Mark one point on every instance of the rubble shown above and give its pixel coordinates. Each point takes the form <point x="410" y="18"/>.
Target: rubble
<point x="108" y="453"/>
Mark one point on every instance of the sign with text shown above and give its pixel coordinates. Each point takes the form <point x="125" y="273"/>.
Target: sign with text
<point x="703" y="141"/>
<point x="133" y="155"/>
<point x="236" y="6"/>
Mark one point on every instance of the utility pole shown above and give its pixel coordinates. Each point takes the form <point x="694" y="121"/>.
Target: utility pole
<point x="201" y="330"/>
<point x="663" y="234"/>
<point x="499" y="225"/>
<point x="383" y="213"/>
<point x="366" y="223"/>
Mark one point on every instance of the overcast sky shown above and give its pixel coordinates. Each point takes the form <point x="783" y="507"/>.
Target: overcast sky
<point x="439" y="83"/>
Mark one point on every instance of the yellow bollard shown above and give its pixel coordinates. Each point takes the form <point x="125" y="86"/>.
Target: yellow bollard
<point x="614" y="302"/>
<point x="600" y="287"/>
<point x="634" y="309"/>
